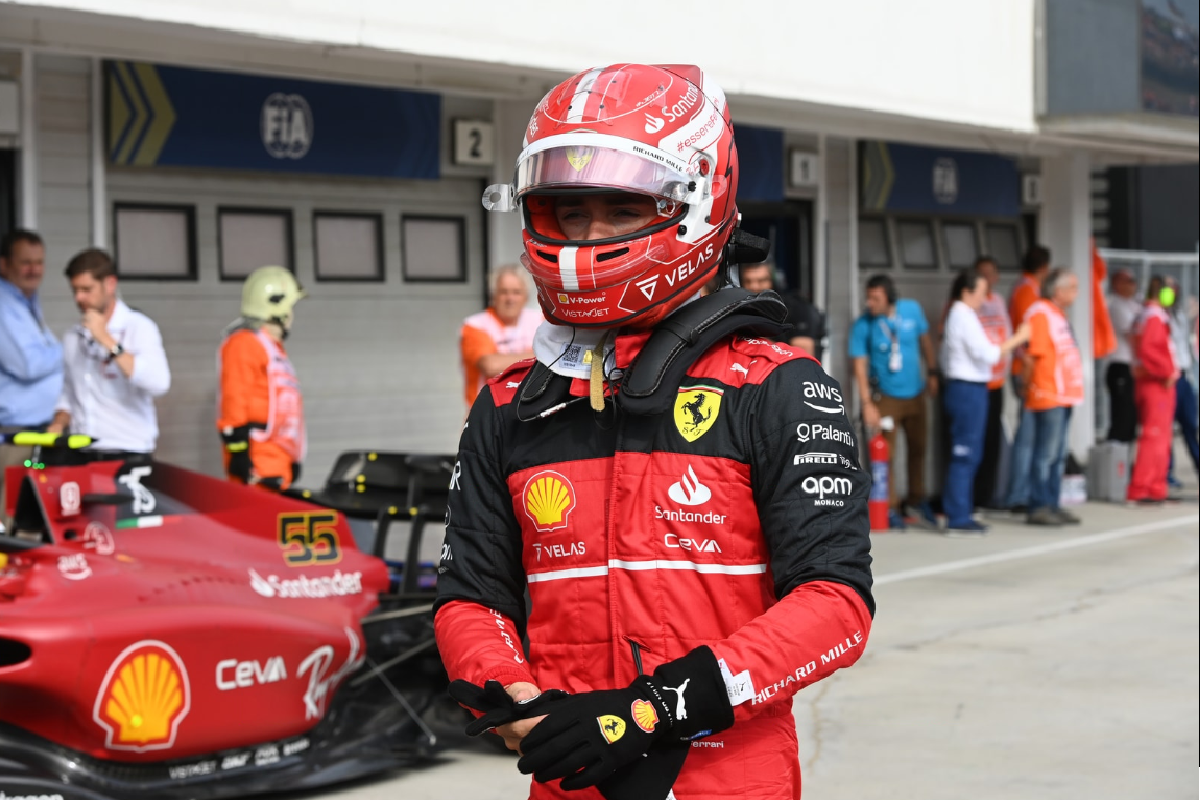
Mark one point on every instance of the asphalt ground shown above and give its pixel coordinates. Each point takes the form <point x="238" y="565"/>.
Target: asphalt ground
<point x="1033" y="663"/>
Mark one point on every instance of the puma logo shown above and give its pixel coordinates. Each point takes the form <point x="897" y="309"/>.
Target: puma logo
<point x="680" y="704"/>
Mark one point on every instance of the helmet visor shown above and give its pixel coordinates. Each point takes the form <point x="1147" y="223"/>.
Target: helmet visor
<point x="578" y="166"/>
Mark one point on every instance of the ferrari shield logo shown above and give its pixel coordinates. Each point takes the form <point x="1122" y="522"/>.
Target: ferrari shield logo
<point x="612" y="727"/>
<point x="579" y="157"/>
<point x="696" y="410"/>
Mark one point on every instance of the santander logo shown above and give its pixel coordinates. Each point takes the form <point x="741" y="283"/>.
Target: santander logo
<point x="689" y="491"/>
<point x="654" y="124"/>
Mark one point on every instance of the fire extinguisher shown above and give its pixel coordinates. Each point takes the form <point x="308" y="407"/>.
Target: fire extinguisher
<point x="880" y="502"/>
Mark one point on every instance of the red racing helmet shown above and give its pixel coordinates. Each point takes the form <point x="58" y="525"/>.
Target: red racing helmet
<point x="661" y="131"/>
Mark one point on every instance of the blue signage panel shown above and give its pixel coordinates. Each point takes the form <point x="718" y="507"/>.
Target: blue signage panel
<point x="760" y="163"/>
<point x="173" y="116"/>
<point x="927" y="180"/>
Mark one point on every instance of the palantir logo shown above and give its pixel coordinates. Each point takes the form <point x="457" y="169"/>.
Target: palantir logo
<point x="286" y="126"/>
<point x="689" y="491"/>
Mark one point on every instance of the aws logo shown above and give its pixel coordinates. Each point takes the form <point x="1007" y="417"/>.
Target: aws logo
<point x="549" y="500"/>
<point x="144" y="697"/>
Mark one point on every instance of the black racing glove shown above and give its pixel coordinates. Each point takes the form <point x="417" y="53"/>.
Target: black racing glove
<point x="649" y="777"/>
<point x="237" y="445"/>
<point x="588" y="737"/>
<point x="497" y="705"/>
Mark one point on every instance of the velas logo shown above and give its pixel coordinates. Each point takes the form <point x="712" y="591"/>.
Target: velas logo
<point x="549" y="500"/>
<point x="612" y="727"/>
<point x="688" y="490"/>
<point x="579" y="157"/>
<point x="144" y="697"/>
<point x="644" y="715"/>
<point x="696" y="409"/>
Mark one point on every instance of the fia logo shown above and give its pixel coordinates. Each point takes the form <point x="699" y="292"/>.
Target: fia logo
<point x="286" y="126"/>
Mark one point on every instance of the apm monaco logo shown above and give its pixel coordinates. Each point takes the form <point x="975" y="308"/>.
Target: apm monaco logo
<point x="144" y="697"/>
<point x="549" y="500"/>
<point x="828" y="490"/>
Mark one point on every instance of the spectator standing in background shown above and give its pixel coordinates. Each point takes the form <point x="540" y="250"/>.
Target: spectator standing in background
<point x="887" y="344"/>
<point x="1034" y="270"/>
<point x="115" y="365"/>
<point x="30" y="357"/>
<point x="1185" y="393"/>
<point x="993" y="314"/>
<point x="260" y="409"/>
<point x="1124" y="308"/>
<point x="806" y="323"/>
<point x="968" y="357"/>
<point x="1055" y="386"/>
<point x="1155" y="370"/>
<point x="500" y="335"/>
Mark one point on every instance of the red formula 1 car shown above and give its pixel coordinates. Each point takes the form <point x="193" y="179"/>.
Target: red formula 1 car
<point x="168" y="635"/>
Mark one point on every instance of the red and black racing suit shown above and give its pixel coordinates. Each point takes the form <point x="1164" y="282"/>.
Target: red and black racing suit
<point x="736" y="519"/>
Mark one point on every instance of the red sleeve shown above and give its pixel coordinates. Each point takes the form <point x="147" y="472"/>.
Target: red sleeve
<point x="818" y="628"/>
<point x="1154" y="350"/>
<point x="478" y="644"/>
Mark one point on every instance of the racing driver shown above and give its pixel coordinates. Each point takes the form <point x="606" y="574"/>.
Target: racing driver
<point x="679" y="495"/>
<point x="260" y="412"/>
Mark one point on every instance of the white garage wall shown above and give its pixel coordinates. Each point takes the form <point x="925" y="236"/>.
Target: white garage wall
<point x="377" y="361"/>
<point x="966" y="62"/>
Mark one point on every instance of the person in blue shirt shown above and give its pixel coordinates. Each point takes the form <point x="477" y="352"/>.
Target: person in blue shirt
<point x="31" y="363"/>
<point x="887" y="345"/>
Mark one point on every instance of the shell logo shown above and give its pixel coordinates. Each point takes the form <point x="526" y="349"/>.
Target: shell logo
<point x="143" y="698"/>
<point x="549" y="500"/>
<point x="644" y="715"/>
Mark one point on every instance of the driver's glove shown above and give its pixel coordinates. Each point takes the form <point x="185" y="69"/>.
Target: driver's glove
<point x="497" y="705"/>
<point x="588" y="737"/>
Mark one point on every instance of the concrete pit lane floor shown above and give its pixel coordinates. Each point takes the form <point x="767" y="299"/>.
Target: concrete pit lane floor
<point x="1034" y="663"/>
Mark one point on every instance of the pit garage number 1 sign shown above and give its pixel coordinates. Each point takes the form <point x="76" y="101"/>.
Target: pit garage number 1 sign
<point x="174" y="116"/>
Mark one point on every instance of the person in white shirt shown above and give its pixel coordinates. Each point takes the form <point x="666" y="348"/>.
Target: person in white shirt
<point x="114" y="363"/>
<point x="1123" y="308"/>
<point x="967" y="357"/>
